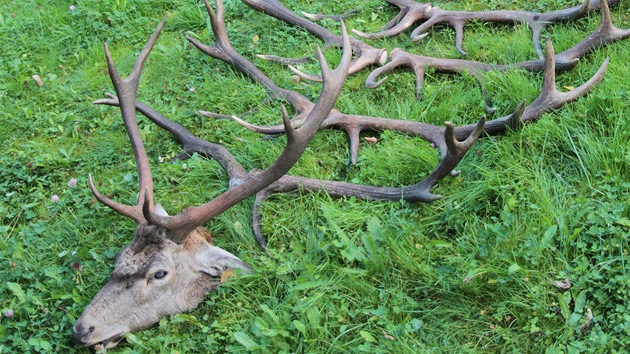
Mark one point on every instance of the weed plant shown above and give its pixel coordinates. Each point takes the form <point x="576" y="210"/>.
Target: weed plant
<point x="476" y="271"/>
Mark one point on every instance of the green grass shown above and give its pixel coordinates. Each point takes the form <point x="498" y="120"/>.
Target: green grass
<point x="471" y="272"/>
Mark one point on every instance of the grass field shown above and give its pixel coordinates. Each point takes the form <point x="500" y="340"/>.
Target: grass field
<point x="472" y="272"/>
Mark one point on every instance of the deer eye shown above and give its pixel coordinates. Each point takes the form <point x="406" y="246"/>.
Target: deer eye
<point x="160" y="274"/>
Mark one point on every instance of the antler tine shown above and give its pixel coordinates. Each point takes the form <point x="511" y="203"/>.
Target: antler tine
<point x="419" y="32"/>
<point x="222" y="43"/>
<point x="267" y="130"/>
<point x="217" y="21"/>
<point x="410" y="12"/>
<point x="605" y="33"/>
<point x="514" y="120"/>
<point x="297" y="139"/>
<point x="454" y="153"/>
<point x="303" y="75"/>
<point x="550" y="98"/>
<point x="399" y="57"/>
<point x="317" y="17"/>
<point x="129" y="211"/>
<point x="256" y="218"/>
<point x="126" y="90"/>
<point x="285" y="61"/>
<point x="549" y="74"/>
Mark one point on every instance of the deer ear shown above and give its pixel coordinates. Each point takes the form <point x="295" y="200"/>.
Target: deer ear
<point x="214" y="261"/>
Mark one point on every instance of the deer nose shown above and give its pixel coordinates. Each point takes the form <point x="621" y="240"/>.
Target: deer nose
<point x="82" y="335"/>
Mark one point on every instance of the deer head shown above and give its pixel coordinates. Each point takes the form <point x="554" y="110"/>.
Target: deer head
<point x="153" y="277"/>
<point x="171" y="263"/>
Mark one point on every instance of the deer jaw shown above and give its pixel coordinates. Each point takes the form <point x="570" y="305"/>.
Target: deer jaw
<point x="153" y="277"/>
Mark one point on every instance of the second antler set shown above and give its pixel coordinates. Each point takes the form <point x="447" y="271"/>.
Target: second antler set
<point x="411" y="12"/>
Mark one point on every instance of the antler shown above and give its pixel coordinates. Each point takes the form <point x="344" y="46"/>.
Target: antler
<point x="297" y="139"/>
<point x="126" y="89"/>
<point x="242" y="185"/>
<point x="606" y="33"/>
<point x="453" y="142"/>
<point x="410" y="12"/>
<point x="366" y="55"/>
<point x="549" y="98"/>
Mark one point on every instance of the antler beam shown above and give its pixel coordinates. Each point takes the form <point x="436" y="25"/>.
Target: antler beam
<point x="126" y="89"/>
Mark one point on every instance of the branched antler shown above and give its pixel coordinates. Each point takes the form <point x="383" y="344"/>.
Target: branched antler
<point x="126" y="89"/>
<point x="354" y="124"/>
<point x="365" y="55"/>
<point x="178" y="227"/>
<point x="410" y="12"/>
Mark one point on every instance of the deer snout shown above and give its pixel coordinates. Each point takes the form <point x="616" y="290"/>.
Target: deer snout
<point x="82" y="335"/>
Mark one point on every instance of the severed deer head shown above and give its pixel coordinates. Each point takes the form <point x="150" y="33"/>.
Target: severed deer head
<point x="171" y="263"/>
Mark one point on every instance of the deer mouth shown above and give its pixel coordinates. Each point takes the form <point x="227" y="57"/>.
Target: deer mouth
<point x="110" y="342"/>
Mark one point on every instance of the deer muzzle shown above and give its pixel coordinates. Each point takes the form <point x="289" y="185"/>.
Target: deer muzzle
<point x="84" y="336"/>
